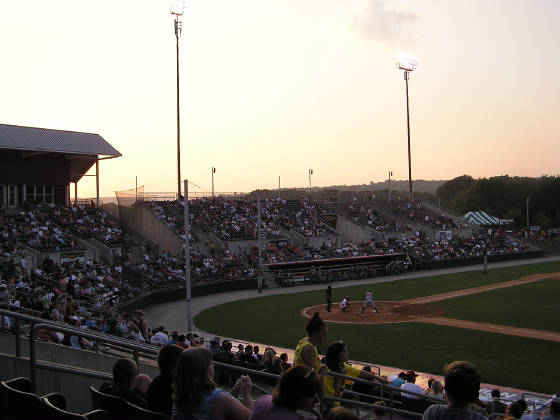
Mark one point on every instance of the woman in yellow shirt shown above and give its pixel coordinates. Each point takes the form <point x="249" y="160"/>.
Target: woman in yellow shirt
<point x="306" y="350"/>
<point x="336" y="360"/>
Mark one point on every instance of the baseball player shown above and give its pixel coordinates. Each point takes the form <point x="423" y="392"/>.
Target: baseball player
<point x="369" y="301"/>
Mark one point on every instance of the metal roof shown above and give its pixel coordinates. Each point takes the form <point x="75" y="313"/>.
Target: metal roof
<point x="58" y="141"/>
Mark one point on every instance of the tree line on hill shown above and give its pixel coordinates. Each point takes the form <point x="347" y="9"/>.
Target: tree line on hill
<point x="506" y="197"/>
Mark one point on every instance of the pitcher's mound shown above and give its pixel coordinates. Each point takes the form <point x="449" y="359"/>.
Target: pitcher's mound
<point x="389" y="312"/>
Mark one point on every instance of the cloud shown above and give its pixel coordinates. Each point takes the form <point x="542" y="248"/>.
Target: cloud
<point x="373" y="20"/>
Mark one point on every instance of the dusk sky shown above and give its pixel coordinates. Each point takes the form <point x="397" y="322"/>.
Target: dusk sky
<point x="273" y="87"/>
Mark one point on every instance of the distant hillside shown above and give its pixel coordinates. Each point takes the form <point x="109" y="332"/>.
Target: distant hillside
<point x="419" y="185"/>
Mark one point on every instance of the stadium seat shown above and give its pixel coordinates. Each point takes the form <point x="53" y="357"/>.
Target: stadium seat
<point x="18" y="404"/>
<point x="120" y="409"/>
<point x="55" y="409"/>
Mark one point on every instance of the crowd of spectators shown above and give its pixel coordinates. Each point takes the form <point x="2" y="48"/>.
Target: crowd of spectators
<point x="35" y="227"/>
<point x="88" y="221"/>
<point x="367" y="216"/>
<point x="166" y="269"/>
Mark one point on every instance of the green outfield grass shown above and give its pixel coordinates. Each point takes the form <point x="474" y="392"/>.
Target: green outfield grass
<point x="505" y="360"/>
<point x="528" y="306"/>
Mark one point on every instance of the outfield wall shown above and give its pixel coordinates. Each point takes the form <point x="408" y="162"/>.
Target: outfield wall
<point x="433" y="265"/>
<point x="178" y="293"/>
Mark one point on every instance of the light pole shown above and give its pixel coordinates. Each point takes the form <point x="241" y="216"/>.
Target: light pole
<point x="528" y="199"/>
<point x="213" y="172"/>
<point x="310" y="173"/>
<point x="390" y="174"/>
<point x="408" y="64"/>
<point x="177" y="9"/>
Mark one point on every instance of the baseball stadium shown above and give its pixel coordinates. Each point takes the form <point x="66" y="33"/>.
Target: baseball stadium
<point x="86" y="284"/>
<point x="252" y="210"/>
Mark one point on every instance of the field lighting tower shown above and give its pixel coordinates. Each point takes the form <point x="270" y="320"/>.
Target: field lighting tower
<point x="310" y="173"/>
<point x="407" y="64"/>
<point x="213" y="172"/>
<point x="177" y="9"/>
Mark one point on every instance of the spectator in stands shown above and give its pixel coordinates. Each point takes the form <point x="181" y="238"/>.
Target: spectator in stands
<point x="215" y="347"/>
<point x="298" y="389"/>
<point x="160" y="337"/>
<point x="4" y="296"/>
<point x="247" y="356"/>
<point x="182" y="341"/>
<point x="306" y="349"/>
<point x="397" y="382"/>
<point x="410" y="385"/>
<point x="127" y="384"/>
<point x="256" y="354"/>
<point x="495" y="406"/>
<point x="336" y="360"/>
<point x="240" y="351"/>
<point x="226" y="355"/>
<point x="553" y="411"/>
<point x="514" y="411"/>
<point x="284" y="364"/>
<point x="462" y="384"/>
<point x="436" y="390"/>
<point x="195" y="394"/>
<point x="158" y="395"/>
<point x="271" y="362"/>
<point x="341" y="413"/>
<point x="379" y="413"/>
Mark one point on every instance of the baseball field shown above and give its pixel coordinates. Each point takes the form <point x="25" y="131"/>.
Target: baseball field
<point x="491" y="320"/>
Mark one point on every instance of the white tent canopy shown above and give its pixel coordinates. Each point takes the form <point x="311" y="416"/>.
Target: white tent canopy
<point x="481" y="218"/>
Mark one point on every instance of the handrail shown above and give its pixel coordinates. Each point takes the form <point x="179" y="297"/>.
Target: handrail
<point x="127" y="344"/>
<point x="385" y="387"/>
<point x="153" y="350"/>
<point x="370" y="407"/>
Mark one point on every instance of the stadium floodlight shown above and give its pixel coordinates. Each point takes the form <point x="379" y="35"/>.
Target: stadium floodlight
<point x="408" y="64"/>
<point x="177" y="9"/>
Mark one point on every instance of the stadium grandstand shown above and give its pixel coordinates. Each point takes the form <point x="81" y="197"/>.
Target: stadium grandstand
<point x="74" y="277"/>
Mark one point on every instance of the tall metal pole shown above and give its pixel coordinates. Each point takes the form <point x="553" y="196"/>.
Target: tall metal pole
<point x="177" y="35"/>
<point x="259" y="266"/>
<point x="187" y="255"/>
<point x="310" y="172"/>
<point x="97" y="181"/>
<point x="408" y="132"/>
<point x="528" y="198"/>
<point x="390" y="173"/>
<point x="213" y="170"/>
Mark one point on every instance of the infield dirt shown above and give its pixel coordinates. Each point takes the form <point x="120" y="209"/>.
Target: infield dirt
<point x="420" y="310"/>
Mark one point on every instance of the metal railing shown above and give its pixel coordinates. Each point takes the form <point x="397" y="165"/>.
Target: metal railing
<point x="385" y="393"/>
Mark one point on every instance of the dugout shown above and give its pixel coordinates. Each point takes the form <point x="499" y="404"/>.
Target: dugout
<point x="37" y="165"/>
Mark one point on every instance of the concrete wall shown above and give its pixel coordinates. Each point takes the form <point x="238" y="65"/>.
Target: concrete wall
<point x="106" y="253"/>
<point x="75" y="388"/>
<point x="318" y="241"/>
<point x="351" y="230"/>
<point x="149" y="225"/>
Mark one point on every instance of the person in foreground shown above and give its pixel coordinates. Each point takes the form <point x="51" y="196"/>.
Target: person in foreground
<point x="306" y="350"/>
<point x="337" y="361"/>
<point x="462" y="384"/>
<point x="298" y="389"/>
<point x="195" y="394"/>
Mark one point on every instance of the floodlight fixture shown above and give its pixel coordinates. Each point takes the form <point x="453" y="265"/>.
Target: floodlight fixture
<point x="407" y="63"/>
<point x="177" y="7"/>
